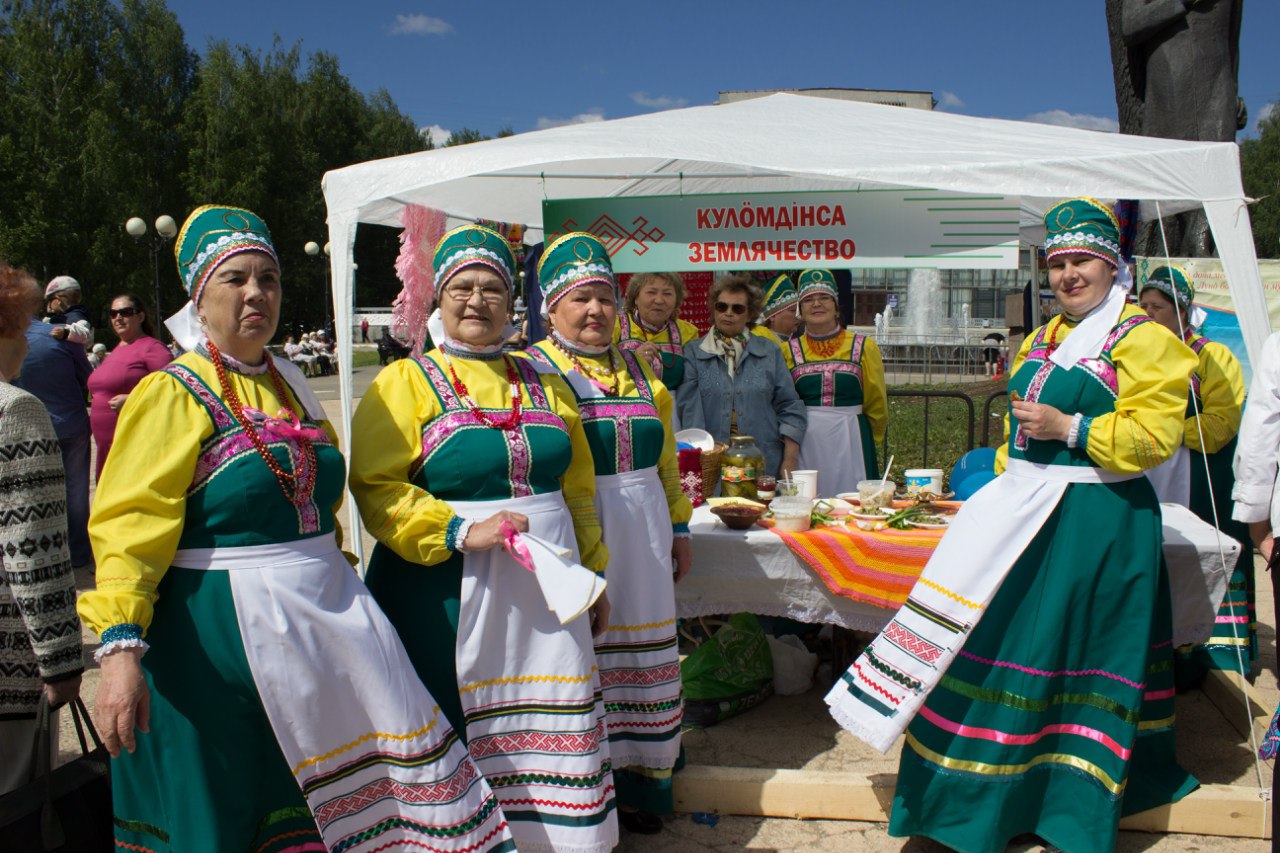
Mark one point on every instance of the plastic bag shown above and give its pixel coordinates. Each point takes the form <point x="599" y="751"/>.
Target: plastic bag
<point x="793" y="665"/>
<point x="729" y="673"/>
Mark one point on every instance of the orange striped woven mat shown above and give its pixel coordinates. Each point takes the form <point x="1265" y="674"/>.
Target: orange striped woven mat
<point x="877" y="567"/>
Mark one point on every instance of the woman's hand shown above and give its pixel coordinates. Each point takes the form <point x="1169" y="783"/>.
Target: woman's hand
<point x="682" y="554"/>
<point x="61" y="692"/>
<point x="123" y="701"/>
<point x="484" y="535"/>
<point x="1260" y="533"/>
<point x="790" y="457"/>
<point x="1041" y="421"/>
<point x="599" y="613"/>
<point x="650" y="353"/>
<point x="116" y="403"/>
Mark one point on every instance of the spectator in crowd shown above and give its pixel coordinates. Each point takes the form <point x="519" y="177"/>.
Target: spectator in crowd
<point x="364" y="330"/>
<point x="63" y="311"/>
<point x="97" y="355"/>
<point x="57" y="372"/>
<point x="40" y="652"/>
<point x="138" y="353"/>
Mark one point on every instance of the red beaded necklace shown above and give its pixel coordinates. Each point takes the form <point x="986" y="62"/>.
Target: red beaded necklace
<point x="512" y="420"/>
<point x="295" y="487"/>
<point x="826" y="347"/>
<point x="1053" y="334"/>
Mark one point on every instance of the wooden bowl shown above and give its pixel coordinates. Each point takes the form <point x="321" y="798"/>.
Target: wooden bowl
<point x="738" y="517"/>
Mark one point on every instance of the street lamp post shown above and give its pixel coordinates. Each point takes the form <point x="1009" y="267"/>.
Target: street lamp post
<point x="166" y="230"/>
<point x="313" y="249"/>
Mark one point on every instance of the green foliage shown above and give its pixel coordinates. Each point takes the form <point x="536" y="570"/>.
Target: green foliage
<point x="465" y="136"/>
<point x="1260" y="170"/>
<point x="109" y="114"/>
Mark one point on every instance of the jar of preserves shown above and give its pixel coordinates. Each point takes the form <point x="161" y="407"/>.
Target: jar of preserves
<point x="742" y="464"/>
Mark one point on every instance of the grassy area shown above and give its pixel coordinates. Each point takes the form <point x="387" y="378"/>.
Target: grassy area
<point x="364" y="358"/>
<point x="948" y="425"/>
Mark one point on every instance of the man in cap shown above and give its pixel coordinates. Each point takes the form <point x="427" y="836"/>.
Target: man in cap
<point x="64" y="312"/>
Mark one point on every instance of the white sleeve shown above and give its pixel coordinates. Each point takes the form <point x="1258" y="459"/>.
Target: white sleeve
<point x="1259" y="446"/>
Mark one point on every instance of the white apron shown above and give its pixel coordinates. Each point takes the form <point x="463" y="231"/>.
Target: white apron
<point x="984" y="541"/>
<point x="833" y="447"/>
<point x="346" y="709"/>
<point x="1172" y="478"/>
<point x="530" y="693"/>
<point x="639" y="663"/>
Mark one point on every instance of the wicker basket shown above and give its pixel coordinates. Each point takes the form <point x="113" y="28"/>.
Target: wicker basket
<point x="711" y="468"/>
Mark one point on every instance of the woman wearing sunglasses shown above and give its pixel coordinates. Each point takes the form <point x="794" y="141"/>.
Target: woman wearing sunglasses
<point x="738" y="384"/>
<point x="137" y="354"/>
<point x="840" y="377"/>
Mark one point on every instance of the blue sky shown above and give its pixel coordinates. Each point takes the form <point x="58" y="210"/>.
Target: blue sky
<point x="486" y="66"/>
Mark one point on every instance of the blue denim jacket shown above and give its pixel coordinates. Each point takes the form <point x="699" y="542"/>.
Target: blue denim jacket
<point x="761" y="392"/>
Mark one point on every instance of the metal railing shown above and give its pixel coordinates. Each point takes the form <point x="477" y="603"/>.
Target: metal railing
<point x="929" y="358"/>
<point x="927" y="396"/>
<point x="987" y="416"/>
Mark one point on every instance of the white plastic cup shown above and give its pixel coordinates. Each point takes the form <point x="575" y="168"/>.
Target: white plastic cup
<point x="924" y="480"/>
<point x="808" y="483"/>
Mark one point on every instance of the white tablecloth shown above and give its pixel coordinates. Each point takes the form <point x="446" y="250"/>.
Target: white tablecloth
<point x="754" y="571"/>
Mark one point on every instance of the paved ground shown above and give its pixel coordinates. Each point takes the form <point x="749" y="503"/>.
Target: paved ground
<point x="796" y="732"/>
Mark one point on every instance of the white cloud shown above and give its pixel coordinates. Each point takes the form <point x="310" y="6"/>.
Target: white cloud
<point x="545" y="122"/>
<point x="1266" y="112"/>
<point x="949" y="101"/>
<point x="661" y="102"/>
<point x="439" y="136"/>
<point x="420" y="25"/>
<point x="1084" y="121"/>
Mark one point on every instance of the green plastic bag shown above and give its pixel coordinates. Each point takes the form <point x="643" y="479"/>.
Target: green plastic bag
<point x="728" y="674"/>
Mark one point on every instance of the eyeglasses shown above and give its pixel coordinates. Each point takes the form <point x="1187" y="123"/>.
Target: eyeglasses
<point x="491" y="294"/>
<point x="735" y="307"/>
<point x="122" y="312"/>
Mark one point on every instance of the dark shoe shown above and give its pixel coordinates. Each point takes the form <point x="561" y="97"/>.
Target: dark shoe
<point x="641" y="823"/>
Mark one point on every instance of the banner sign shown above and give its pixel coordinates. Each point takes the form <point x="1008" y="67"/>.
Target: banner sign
<point x="765" y="231"/>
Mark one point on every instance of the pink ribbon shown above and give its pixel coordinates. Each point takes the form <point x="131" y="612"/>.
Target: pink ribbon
<point x="517" y="549"/>
<point x="283" y="429"/>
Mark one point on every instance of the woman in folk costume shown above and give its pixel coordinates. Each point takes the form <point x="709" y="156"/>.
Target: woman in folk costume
<point x="780" y="319"/>
<point x="226" y="609"/>
<point x="650" y="326"/>
<point x="1034" y="653"/>
<point x="626" y="413"/>
<point x="450" y="452"/>
<point x="1217" y="395"/>
<point x="840" y="377"/>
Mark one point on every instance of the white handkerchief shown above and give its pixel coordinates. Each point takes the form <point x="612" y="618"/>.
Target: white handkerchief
<point x="568" y="587"/>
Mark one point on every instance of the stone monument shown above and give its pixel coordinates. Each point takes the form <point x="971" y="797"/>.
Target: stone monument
<point x="1176" y="64"/>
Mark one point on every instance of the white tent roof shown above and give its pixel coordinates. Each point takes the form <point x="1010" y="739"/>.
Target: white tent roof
<point x="792" y="142"/>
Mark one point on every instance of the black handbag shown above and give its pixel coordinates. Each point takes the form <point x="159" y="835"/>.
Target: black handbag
<point x="65" y="809"/>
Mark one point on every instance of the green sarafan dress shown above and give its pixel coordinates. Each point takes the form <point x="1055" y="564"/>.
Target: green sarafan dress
<point x="1217" y="389"/>
<point x="1057" y="716"/>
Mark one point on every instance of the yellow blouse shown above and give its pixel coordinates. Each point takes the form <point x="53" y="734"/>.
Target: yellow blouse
<point x="1153" y="370"/>
<point x="387" y="440"/>
<point x="1221" y="400"/>
<point x="141" y="501"/>
<point x="764" y="331"/>
<point x="688" y="332"/>
<point x="875" y="396"/>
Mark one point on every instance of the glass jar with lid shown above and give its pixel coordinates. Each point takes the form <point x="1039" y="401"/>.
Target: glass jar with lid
<point x="741" y="464"/>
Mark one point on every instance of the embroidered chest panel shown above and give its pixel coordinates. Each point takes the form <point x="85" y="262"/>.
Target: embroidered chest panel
<point x="824" y="373"/>
<point x="457" y="429"/>
<point x="1076" y="388"/>
<point x="632" y="335"/>
<point x="229" y="461"/>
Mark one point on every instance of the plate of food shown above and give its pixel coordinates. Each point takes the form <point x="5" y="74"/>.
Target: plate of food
<point x="930" y="522"/>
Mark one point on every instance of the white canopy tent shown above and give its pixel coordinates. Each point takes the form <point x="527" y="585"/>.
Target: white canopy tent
<point x="796" y="143"/>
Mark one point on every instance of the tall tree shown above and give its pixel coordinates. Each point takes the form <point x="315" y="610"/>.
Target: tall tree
<point x="1260" y="170"/>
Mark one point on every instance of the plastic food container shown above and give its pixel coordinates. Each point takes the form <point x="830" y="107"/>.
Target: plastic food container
<point x="924" y="480"/>
<point x="872" y="495"/>
<point x="791" y="514"/>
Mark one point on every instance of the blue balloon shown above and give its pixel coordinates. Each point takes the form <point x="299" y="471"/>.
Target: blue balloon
<point x="977" y="460"/>
<point x="969" y="486"/>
